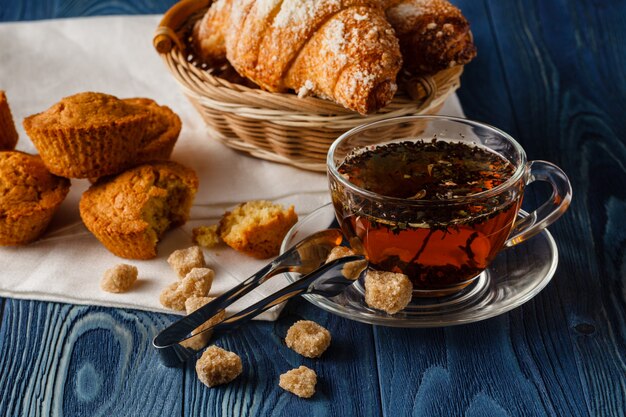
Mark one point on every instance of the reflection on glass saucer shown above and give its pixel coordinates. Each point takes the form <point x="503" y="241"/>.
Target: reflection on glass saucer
<point x="515" y="276"/>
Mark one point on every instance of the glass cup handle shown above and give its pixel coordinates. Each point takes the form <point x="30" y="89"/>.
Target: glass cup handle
<point x="549" y="211"/>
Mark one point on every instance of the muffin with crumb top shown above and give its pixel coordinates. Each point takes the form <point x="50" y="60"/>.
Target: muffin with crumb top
<point x="161" y="133"/>
<point x="130" y="212"/>
<point x="88" y="135"/>
<point x="8" y="134"/>
<point x="29" y="197"/>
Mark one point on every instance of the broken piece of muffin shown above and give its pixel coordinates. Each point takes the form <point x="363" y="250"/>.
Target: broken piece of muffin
<point x="257" y="228"/>
<point x="130" y="212"/>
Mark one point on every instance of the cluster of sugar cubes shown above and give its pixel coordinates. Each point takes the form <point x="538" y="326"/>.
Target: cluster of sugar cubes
<point x="310" y="340"/>
<point x="195" y="279"/>
<point x="386" y="291"/>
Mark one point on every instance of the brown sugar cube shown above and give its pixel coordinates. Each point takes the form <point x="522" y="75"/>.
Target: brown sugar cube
<point x="184" y="260"/>
<point x="119" y="278"/>
<point x="350" y="270"/>
<point x="204" y="275"/>
<point x="196" y="283"/>
<point x="199" y="340"/>
<point x="300" y="381"/>
<point x="257" y="228"/>
<point x="308" y="338"/>
<point x="206" y="236"/>
<point x="387" y="291"/>
<point x="8" y="134"/>
<point x="339" y="252"/>
<point x="217" y="366"/>
<point x="193" y="303"/>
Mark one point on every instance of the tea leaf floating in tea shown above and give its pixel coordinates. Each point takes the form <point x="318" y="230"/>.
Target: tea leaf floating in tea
<point x="434" y="170"/>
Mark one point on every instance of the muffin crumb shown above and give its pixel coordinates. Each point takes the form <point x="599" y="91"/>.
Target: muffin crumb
<point x="217" y="366"/>
<point x="206" y="236"/>
<point x="299" y="381"/>
<point x="119" y="278"/>
<point x="308" y="338"/>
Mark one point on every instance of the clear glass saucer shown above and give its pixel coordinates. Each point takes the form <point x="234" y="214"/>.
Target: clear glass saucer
<point x="515" y="276"/>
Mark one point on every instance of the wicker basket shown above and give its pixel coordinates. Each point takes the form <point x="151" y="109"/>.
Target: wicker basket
<point x="274" y="126"/>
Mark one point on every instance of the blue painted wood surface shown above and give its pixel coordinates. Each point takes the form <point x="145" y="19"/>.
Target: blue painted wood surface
<point x="549" y="72"/>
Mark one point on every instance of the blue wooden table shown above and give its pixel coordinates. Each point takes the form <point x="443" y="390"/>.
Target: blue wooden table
<point x="550" y="72"/>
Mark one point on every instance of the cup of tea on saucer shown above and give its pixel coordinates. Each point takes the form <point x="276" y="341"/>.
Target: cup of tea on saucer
<point x="436" y="197"/>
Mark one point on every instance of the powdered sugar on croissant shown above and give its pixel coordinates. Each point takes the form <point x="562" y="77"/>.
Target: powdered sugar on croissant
<point x="344" y="50"/>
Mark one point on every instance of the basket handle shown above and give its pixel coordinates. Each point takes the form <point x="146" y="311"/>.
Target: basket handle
<point x="422" y="89"/>
<point x="166" y="35"/>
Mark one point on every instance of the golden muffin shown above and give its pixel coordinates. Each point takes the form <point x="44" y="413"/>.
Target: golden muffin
<point x="161" y="134"/>
<point x="257" y="228"/>
<point x="88" y="135"/>
<point x="29" y="196"/>
<point x="8" y="134"/>
<point x="130" y="212"/>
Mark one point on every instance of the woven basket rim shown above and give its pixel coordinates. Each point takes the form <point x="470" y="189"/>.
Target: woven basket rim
<point x="280" y="127"/>
<point x="245" y="98"/>
<point x="224" y="95"/>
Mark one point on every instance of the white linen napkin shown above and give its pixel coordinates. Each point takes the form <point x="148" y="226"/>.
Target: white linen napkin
<point x="41" y="62"/>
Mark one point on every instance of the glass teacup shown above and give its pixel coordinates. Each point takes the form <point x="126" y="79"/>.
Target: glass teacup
<point x="436" y="197"/>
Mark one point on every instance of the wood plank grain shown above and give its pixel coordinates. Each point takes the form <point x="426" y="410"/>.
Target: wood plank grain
<point x="569" y="65"/>
<point x="59" y="359"/>
<point x="11" y="10"/>
<point x="483" y="93"/>
<point x="564" y="352"/>
<point x="464" y="370"/>
<point x="550" y="73"/>
<point x="347" y="376"/>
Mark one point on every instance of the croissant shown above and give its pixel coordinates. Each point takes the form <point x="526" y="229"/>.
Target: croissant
<point x="433" y="34"/>
<point x="345" y="51"/>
